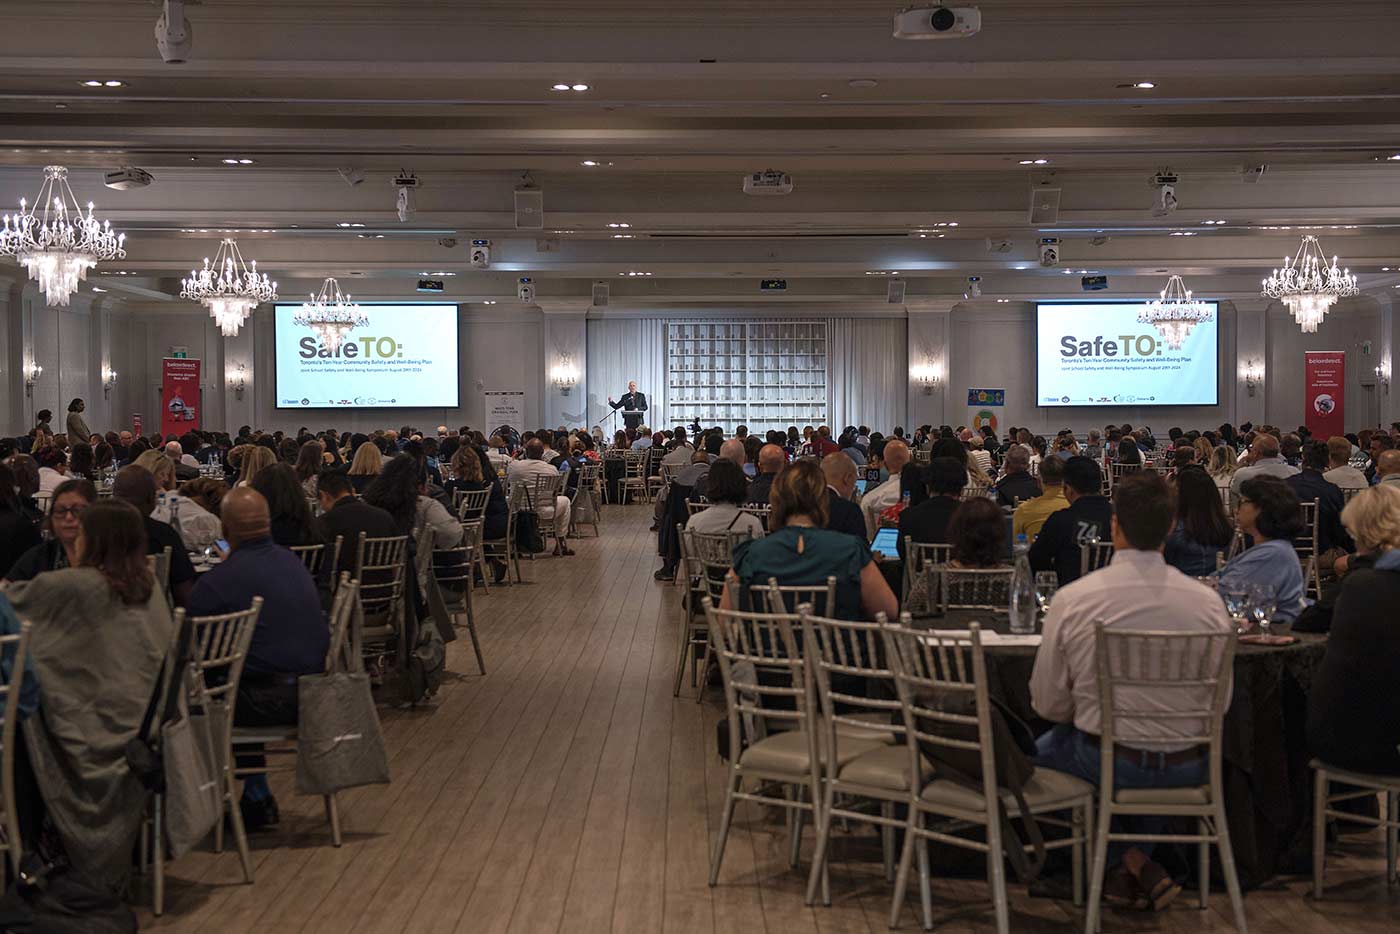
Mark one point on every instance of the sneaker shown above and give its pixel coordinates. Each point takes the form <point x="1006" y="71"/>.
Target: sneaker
<point x="664" y="574"/>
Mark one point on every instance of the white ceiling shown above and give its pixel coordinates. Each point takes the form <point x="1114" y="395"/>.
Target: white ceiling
<point x="686" y="97"/>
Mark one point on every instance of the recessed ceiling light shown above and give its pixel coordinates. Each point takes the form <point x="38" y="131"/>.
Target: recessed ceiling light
<point x="623" y="237"/>
<point x="1003" y="301"/>
<point x="633" y="274"/>
<point x="579" y="87"/>
<point x="1144" y="85"/>
<point x="440" y="274"/>
<point x="98" y="288"/>
<point x="1035" y="162"/>
<point x="561" y="87"/>
<point x="239" y="160"/>
<point x="616" y="224"/>
<point x="361" y="236"/>
<point x="1385" y="269"/>
<point x="594" y="163"/>
<point x="349" y="224"/>
<point x="862" y="83"/>
<point x="1394" y="158"/>
<point x="489" y="301"/>
<point x="824" y="96"/>
<point x="882" y="272"/>
<point x="102" y="83"/>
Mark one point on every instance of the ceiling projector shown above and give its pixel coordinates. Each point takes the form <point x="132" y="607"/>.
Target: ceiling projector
<point x="768" y="182"/>
<point x="127" y="177"/>
<point x="938" y="22"/>
<point x="174" y="35"/>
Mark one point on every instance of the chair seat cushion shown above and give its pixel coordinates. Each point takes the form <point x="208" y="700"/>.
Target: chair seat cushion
<point x="787" y="754"/>
<point x="1364" y="779"/>
<point x="886" y="768"/>
<point x="1171" y="796"/>
<point x="1046" y="788"/>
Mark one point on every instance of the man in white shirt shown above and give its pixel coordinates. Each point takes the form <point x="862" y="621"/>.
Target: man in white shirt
<point x="1340" y="471"/>
<point x="1264" y="462"/>
<point x="643" y="439"/>
<point x="1065" y="686"/>
<point x="886" y="494"/>
<point x="525" y="471"/>
<point x="679" y="455"/>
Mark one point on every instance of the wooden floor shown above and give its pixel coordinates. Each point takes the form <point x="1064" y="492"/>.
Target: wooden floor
<point x="568" y="791"/>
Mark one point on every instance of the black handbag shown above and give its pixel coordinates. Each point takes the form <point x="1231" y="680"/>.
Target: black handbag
<point x="528" y="539"/>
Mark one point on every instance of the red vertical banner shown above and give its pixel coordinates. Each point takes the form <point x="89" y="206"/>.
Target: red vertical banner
<point x="1324" y="376"/>
<point x="179" y="396"/>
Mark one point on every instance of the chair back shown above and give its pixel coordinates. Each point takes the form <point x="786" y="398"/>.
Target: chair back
<point x="921" y="456"/>
<point x="917" y="557"/>
<point x="160" y="568"/>
<point x="927" y="665"/>
<point x="634" y="465"/>
<point x="975" y="491"/>
<point x="15" y="650"/>
<point x="1116" y="471"/>
<point x="471" y="504"/>
<point x="786" y="598"/>
<point x="218" y="648"/>
<point x="855" y="650"/>
<point x="969" y="588"/>
<point x="1237" y="543"/>
<point x="1154" y="682"/>
<point x="338" y="658"/>
<point x="759" y="512"/>
<point x="1306" y="542"/>
<point x="692" y="507"/>
<point x="707" y="557"/>
<point x="314" y="556"/>
<point x="760" y="659"/>
<point x="1094" y="555"/>
<point x="542" y="493"/>
<point x="379" y="567"/>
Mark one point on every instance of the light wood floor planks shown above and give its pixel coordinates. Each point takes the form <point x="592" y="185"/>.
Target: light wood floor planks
<point x="568" y="791"/>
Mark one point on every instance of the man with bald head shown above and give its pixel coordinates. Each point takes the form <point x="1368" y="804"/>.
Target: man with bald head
<point x="885" y="495"/>
<point x="1388" y="467"/>
<point x="289" y="640"/>
<point x="1264" y="462"/>
<point x="731" y="450"/>
<point x="842" y="514"/>
<point x="771" y="461"/>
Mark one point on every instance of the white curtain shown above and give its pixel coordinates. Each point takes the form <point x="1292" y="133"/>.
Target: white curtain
<point x="623" y="349"/>
<point x="867" y="373"/>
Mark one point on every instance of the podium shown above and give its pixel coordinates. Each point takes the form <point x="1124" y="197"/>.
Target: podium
<point x="632" y="418"/>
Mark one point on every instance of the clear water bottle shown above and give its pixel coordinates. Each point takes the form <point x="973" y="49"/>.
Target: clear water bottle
<point x="1024" y="607"/>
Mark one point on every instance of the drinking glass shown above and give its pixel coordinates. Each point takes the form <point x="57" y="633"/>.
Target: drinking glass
<point x="1263" y="605"/>
<point x="1236" y="598"/>
<point x="1046" y="583"/>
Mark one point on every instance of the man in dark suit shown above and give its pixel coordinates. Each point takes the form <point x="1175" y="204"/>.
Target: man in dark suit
<point x="927" y="523"/>
<point x="633" y="404"/>
<point x="1311" y="485"/>
<point x="771" y="460"/>
<point x="347" y="516"/>
<point x="842" y="514"/>
<point x="1017" y="484"/>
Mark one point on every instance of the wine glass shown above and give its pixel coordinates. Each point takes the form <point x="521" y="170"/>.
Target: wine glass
<point x="1263" y="605"/>
<point x="1046" y="583"/>
<point x="1236" y="598"/>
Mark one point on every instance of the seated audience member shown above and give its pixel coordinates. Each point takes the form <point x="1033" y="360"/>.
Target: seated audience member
<point x="1263" y="461"/>
<point x="197" y="527"/>
<point x="727" y="490"/>
<point x="896" y="458"/>
<point x="345" y="515"/>
<point x="525" y="471"/>
<point x="472" y="472"/>
<point x="822" y="445"/>
<point x="1223" y="466"/>
<point x="977" y="532"/>
<point x="184" y="469"/>
<point x="680" y="451"/>
<point x="731" y="450"/>
<point x="927" y="523"/>
<point x="1310" y="484"/>
<point x="771" y="461"/>
<point x="18" y="532"/>
<point x="310" y="463"/>
<point x="1270" y="514"/>
<point x="26" y="471"/>
<point x="1201" y="528"/>
<point x="842" y="514"/>
<point x="1387" y="466"/>
<point x="641" y="444"/>
<point x="101" y="631"/>
<point x="799" y="552"/>
<point x="1353" y="711"/>
<point x="136" y="486"/>
<point x="365" y="467"/>
<point x="691" y="475"/>
<point x="206" y="493"/>
<point x="1016" y="482"/>
<point x="1030" y="516"/>
<point x="1086" y="519"/>
<point x="64" y="523"/>
<point x="1340" y="471"/>
<point x="291" y="522"/>
<point x="848" y="446"/>
<point x="81" y="463"/>
<point x="1064" y="682"/>
<point x="53" y="467"/>
<point x="400" y="491"/>
<point x="253" y="459"/>
<point x="290" y="638"/>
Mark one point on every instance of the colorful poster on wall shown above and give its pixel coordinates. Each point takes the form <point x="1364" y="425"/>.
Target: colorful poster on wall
<point x="981" y="397"/>
<point x="504" y="407"/>
<point x="985" y="418"/>
<point x="179" y="395"/>
<point x="1324" y="377"/>
<point x="136" y="423"/>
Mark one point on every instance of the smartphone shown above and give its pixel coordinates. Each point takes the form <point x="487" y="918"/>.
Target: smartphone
<point x="222" y="545"/>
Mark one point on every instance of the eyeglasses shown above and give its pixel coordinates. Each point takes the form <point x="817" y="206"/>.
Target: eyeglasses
<point x="67" y="512"/>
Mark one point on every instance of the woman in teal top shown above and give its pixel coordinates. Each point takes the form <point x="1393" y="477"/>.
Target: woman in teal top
<point x="799" y="552"/>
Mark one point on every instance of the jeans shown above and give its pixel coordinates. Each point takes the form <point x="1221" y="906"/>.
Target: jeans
<point x="1067" y="749"/>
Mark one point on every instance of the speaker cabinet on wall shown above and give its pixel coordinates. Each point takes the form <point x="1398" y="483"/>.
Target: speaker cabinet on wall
<point x="1045" y="205"/>
<point x="894" y="291"/>
<point x="529" y="208"/>
<point x="601" y="293"/>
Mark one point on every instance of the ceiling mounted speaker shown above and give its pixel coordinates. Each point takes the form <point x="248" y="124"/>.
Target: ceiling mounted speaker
<point x="1045" y="205"/>
<point x="601" y="293"/>
<point x="529" y="208"/>
<point x="894" y="291"/>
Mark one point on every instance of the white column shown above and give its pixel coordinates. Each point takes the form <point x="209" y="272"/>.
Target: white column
<point x="927" y="346"/>
<point x="12" y="402"/>
<point x="1251" y="355"/>
<point x="1389" y="405"/>
<point x="228" y="408"/>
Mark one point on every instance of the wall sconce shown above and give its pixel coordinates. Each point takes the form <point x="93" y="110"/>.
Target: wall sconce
<point x="1253" y="376"/>
<point x="32" y="372"/>
<point x="564" y="375"/>
<point x="109" y="381"/>
<point x="927" y="377"/>
<point x="1383" y="375"/>
<point x="238" y="380"/>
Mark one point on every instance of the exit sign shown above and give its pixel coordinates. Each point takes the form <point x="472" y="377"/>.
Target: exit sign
<point x="773" y="285"/>
<point x="179" y="353"/>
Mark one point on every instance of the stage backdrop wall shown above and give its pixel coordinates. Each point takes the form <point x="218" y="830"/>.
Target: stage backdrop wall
<point x="620" y="350"/>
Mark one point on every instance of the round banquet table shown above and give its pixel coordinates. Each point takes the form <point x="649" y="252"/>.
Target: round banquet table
<point x="1265" y="773"/>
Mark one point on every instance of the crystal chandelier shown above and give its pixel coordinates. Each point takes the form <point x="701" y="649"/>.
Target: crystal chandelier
<point x="1308" y="286"/>
<point x="55" y="241"/>
<point x="228" y="287"/>
<point x="1175" y="313"/>
<point x="331" y="315"/>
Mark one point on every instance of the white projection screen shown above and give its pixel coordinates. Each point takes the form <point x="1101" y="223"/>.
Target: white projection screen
<point x="405" y="356"/>
<point x="1099" y="354"/>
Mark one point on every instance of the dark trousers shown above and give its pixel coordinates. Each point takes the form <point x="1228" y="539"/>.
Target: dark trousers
<point x="263" y="700"/>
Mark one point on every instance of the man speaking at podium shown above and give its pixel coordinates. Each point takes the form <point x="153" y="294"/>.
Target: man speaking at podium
<point x="633" y="404"/>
